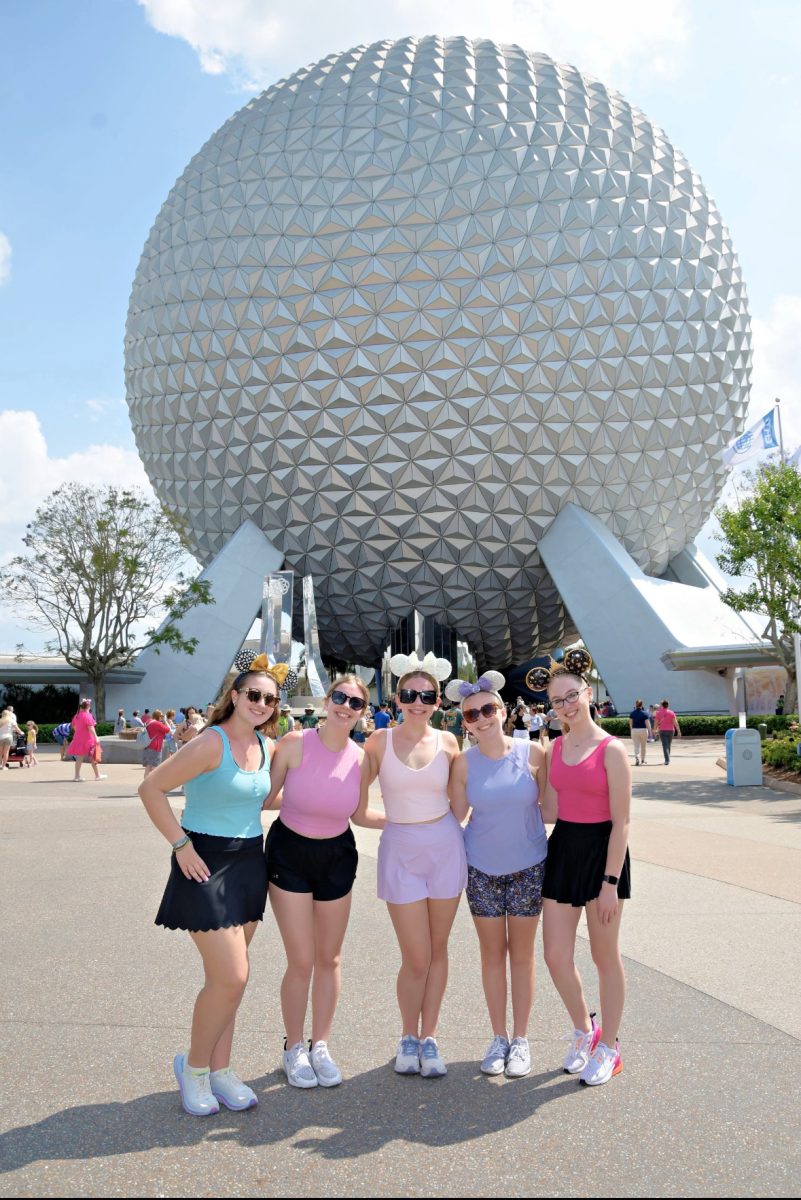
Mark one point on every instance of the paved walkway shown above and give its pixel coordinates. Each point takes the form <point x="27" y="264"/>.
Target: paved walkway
<point x="95" y="1002"/>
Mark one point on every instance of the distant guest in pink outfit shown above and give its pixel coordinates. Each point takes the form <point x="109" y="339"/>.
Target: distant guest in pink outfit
<point x="84" y="741"/>
<point x="667" y="723"/>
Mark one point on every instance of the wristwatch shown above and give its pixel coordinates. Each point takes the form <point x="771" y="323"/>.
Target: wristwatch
<point x="613" y="879"/>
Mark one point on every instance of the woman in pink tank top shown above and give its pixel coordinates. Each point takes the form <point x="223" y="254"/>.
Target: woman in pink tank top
<point x="422" y="868"/>
<point x="589" y="794"/>
<point x="311" y="867"/>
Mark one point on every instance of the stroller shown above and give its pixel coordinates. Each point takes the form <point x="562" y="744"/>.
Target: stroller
<point x="17" y="752"/>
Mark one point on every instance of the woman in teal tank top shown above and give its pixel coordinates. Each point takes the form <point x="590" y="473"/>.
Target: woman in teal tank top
<point x="217" y="888"/>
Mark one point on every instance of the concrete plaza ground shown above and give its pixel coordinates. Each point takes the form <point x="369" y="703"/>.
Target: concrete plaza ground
<point x="96" y="1001"/>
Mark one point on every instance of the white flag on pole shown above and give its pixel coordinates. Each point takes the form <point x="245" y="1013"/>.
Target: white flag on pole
<point x="795" y="458"/>
<point x="761" y="436"/>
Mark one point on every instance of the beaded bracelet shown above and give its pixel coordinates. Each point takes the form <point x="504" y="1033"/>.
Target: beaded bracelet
<point x="179" y="845"/>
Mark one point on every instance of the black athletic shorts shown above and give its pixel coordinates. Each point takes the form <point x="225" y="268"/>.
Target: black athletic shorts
<point x="326" y="867"/>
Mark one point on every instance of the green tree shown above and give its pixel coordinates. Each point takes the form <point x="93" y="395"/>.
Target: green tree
<point x="761" y="538"/>
<point x="98" y="563"/>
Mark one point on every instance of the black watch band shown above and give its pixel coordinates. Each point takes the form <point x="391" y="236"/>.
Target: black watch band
<point x="613" y="879"/>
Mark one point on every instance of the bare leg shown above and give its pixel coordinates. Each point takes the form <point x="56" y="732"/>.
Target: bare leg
<point x="294" y="915"/>
<point x="79" y="761"/>
<point x="225" y="961"/>
<point x="493" y="945"/>
<point x="414" y="938"/>
<point x="521" y="933"/>
<point x="330" y="924"/>
<point x="605" y="949"/>
<point x="559" y="943"/>
<point x="441" y="915"/>
<point x="221" y="1054"/>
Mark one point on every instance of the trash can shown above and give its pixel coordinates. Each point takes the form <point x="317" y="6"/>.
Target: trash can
<point x="762" y="731"/>
<point x="743" y="758"/>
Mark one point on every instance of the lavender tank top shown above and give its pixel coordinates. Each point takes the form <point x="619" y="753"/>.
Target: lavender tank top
<point x="505" y="832"/>
<point x="321" y="795"/>
<point x="411" y="797"/>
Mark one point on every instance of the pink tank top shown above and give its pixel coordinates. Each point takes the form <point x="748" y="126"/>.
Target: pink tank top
<point x="322" y="793"/>
<point x="582" y="791"/>
<point x="410" y="796"/>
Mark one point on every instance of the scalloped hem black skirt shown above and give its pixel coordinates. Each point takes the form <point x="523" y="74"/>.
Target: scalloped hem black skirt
<point x="235" y="894"/>
<point x="576" y="863"/>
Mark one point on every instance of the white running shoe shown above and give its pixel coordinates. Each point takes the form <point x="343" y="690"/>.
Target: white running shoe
<point x="327" y="1072"/>
<point x="582" y="1046"/>
<point x="494" y="1060"/>
<point x="605" y="1061"/>
<point x="518" y="1063"/>
<point x="196" y="1095"/>
<point x="229" y="1088"/>
<point x="299" y="1070"/>
<point x="407" y="1059"/>
<point x="432" y="1064"/>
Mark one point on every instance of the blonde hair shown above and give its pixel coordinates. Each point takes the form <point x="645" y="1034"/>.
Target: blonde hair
<point x="355" y="680"/>
<point x="418" y="675"/>
<point x="224" y="706"/>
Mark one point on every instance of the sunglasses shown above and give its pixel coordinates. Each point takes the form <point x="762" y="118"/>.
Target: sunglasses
<point x="569" y="698"/>
<point x="472" y="714"/>
<point x="354" y="702"/>
<point x="409" y="695"/>
<point x="256" y="696"/>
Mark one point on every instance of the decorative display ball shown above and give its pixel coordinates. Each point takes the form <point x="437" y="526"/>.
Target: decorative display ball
<point x="409" y="302"/>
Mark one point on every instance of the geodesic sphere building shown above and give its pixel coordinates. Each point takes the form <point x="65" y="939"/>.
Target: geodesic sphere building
<point x="411" y="300"/>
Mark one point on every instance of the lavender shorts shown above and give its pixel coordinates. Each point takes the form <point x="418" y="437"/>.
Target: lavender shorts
<point x="421" y="862"/>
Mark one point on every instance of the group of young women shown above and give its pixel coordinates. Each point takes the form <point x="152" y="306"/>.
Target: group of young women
<point x="222" y="874"/>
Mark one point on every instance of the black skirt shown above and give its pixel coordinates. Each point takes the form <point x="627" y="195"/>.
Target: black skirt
<point x="235" y="893"/>
<point x="576" y="863"/>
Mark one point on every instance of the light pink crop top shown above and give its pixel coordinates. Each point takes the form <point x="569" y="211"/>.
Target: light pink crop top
<point x="582" y="791"/>
<point x="322" y="793"/>
<point x="410" y="796"/>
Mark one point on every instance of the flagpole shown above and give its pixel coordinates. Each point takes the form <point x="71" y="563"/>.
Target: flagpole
<point x="779" y="422"/>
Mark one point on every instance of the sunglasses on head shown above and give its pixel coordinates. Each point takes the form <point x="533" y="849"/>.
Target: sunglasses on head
<point x="256" y="696"/>
<point x="354" y="702"/>
<point x="472" y="714"/>
<point x="409" y="695"/>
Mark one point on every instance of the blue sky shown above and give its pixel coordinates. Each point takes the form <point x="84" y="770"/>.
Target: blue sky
<point x="103" y="102"/>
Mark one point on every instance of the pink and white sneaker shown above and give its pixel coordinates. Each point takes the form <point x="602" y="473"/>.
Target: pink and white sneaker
<point x="581" y="1047"/>
<point x="605" y="1062"/>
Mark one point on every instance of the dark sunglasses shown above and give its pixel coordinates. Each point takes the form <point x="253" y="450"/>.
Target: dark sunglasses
<point x="256" y="696"/>
<point x="409" y="695"/>
<point x="472" y="714"/>
<point x="354" y="702"/>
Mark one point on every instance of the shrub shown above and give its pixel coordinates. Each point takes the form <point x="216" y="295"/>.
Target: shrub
<point x="695" y="725"/>
<point x="45" y="733"/>
<point x="782" y="754"/>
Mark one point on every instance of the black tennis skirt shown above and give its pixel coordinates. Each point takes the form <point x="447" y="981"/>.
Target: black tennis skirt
<point x="576" y="863"/>
<point x="235" y="893"/>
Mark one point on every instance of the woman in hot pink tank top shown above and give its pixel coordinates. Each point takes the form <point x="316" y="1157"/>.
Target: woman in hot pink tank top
<point x="589" y="794"/>
<point x="311" y="867"/>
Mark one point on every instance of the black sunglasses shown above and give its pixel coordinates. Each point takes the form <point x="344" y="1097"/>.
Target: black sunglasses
<point x="409" y="695"/>
<point x="256" y="696"/>
<point x="354" y="702"/>
<point x="472" y="714"/>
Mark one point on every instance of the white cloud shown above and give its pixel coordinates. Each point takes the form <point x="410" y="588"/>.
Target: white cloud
<point x="259" y="41"/>
<point x="777" y="365"/>
<point x="5" y="259"/>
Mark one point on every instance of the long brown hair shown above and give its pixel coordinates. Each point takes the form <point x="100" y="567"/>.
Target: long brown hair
<point x="224" y="707"/>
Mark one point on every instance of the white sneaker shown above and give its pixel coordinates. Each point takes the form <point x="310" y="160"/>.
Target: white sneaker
<point x="582" y="1046"/>
<point x="605" y="1062"/>
<point x="432" y="1064"/>
<point x="407" y="1059"/>
<point x="327" y="1072"/>
<point x="494" y="1060"/>
<point x="299" y="1070"/>
<point x="99" y="777"/>
<point x="228" y="1087"/>
<point x="518" y="1063"/>
<point x="196" y="1095"/>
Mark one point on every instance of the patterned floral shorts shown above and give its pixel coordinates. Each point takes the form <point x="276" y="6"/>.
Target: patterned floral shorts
<point x="518" y="895"/>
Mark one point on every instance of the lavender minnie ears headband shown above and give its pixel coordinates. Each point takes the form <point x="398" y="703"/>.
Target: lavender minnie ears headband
<point x="460" y="689"/>
<point x="404" y="664"/>
<point x="576" y="662"/>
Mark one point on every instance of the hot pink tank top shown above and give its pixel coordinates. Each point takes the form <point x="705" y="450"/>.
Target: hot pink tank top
<point x="582" y="791"/>
<point x="322" y="793"/>
<point x="410" y="796"/>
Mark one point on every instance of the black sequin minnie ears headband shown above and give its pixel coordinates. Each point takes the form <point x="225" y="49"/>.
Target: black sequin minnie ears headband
<point x="575" y="662"/>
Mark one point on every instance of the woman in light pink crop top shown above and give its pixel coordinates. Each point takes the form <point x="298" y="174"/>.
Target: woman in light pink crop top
<point x="311" y="866"/>
<point x="589" y="794"/>
<point x="422" y="869"/>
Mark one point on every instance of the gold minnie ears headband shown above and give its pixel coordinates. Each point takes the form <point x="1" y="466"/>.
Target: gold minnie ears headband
<point x="575" y="662"/>
<point x="279" y="671"/>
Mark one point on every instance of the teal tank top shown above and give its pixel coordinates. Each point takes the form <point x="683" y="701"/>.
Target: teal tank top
<point x="227" y="802"/>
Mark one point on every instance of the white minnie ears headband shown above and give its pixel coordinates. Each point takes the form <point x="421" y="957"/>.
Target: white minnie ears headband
<point x="404" y="664"/>
<point x="460" y="689"/>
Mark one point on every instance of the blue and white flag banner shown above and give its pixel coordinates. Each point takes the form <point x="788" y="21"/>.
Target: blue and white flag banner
<point x="761" y="436"/>
<point x="795" y="458"/>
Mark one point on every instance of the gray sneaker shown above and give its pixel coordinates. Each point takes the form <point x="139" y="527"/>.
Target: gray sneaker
<point x="327" y="1072"/>
<point x="494" y="1060"/>
<point x="299" y="1070"/>
<point x="519" y="1061"/>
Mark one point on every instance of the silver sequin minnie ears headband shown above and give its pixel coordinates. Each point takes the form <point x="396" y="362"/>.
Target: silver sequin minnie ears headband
<point x="460" y="689"/>
<point x="575" y="662"/>
<point x="404" y="664"/>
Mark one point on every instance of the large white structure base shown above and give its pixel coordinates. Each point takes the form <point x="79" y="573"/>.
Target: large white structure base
<point x="650" y="638"/>
<point x="236" y="576"/>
